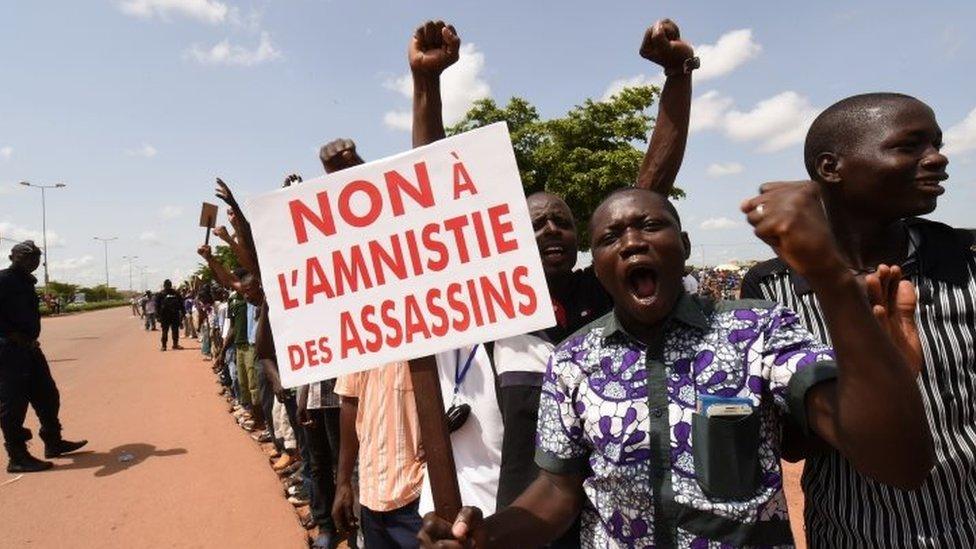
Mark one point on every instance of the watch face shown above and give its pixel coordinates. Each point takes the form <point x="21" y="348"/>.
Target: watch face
<point x="457" y="415"/>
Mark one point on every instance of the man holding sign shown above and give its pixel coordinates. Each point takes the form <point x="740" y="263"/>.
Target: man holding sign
<point x="499" y="383"/>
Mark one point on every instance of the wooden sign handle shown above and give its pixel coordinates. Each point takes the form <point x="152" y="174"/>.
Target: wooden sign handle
<point x="206" y="240"/>
<point x="435" y="437"/>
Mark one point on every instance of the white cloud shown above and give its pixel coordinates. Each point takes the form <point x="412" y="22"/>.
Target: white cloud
<point x="718" y="223"/>
<point x="73" y="263"/>
<point x="777" y="122"/>
<point x="170" y="212"/>
<point x="618" y="85"/>
<point x="730" y="52"/>
<point x="150" y="237"/>
<point x="207" y="11"/>
<point x="145" y="151"/>
<point x="961" y="138"/>
<point x="721" y="170"/>
<point x="225" y="53"/>
<point x="6" y="152"/>
<point x="461" y="85"/>
<point x="708" y="111"/>
<point x="10" y="232"/>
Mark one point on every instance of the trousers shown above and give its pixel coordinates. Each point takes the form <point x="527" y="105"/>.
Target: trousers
<point x="172" y="325"/>
<point x="25" y="379"/>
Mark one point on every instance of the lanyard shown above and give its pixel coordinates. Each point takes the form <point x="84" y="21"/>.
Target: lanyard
<point x="460" y="375"/>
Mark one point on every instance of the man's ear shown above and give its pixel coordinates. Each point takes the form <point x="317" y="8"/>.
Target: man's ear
<point x="828" y="167"/>
<point x="686" y="242"/>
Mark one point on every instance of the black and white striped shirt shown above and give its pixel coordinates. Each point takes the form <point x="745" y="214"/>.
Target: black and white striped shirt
<point x="845" y="509"/>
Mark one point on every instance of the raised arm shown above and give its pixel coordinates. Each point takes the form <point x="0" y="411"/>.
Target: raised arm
<point x="248" y="254"/>
<point x="434" y="47"/>
<point x="873" y="413"/>
<point x="220" y="273"/>
<point x="662" y="44"/>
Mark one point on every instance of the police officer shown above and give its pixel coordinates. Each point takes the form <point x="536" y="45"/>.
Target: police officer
<point x="24" y="374"/>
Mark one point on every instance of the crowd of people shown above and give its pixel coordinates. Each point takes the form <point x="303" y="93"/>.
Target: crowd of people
<point x="655" y="412"/>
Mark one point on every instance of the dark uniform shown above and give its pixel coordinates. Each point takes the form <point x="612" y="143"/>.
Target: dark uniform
<point x="24" y="374"/>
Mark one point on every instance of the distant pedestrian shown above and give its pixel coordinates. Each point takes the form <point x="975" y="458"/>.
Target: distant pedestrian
<point x="169" y="308"/>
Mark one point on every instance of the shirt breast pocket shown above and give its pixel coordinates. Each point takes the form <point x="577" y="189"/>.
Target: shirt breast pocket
<point x="726" y="455"/>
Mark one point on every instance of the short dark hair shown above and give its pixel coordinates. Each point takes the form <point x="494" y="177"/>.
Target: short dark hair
<point x="240" y="272"/>
<point x="837" y="127"/>
<point x="668" y="205"/>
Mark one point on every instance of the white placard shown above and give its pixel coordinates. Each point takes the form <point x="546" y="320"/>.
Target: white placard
<point x="422" y="252"/>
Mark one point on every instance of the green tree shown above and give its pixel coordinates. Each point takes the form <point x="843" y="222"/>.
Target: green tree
<point x="581" y="156"/>
<point x="62" y="289"/>
<point x="100" y="293"/>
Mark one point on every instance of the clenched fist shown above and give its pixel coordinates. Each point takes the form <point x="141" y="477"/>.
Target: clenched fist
<point x="434" y="47"/>
<point x="789" y="216"/>
<point x="205" y="252"/>
<point x="339" y="155"/>
<point x="663" y="45"/>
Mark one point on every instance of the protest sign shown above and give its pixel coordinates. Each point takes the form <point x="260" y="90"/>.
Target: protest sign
<point x="421" y="252"/>
<point x="208" y="219"/>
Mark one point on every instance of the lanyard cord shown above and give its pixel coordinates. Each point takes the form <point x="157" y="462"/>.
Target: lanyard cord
<point x="460" y="375"/>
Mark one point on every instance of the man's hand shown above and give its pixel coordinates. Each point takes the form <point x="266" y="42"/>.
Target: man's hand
<point x="205" y="252"/>
<point x="789" y="216"/>
<point x="434" y="47"/>
<point x="465" y="532"/>
<point x="292" y="179"/>
<point x="663" y="45"/>
<point x="339" y="155"/>
<point x="343" y="506"/>
<point x="893" y="304"/>
<point x="221" y="232"/>
<point x="223" y="192"/>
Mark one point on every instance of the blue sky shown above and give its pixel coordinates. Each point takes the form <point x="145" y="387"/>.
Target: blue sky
<point x="138" y="104"/>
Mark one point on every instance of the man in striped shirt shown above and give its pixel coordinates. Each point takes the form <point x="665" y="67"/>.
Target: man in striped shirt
<point x="379" y="425"/>
<point x="876" y="161"/>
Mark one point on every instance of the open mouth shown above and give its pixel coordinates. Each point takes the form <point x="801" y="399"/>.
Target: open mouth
<point x="553" y="251"/>
<point x="643" y="282"/>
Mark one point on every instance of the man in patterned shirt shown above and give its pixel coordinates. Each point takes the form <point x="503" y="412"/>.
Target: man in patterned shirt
<point x="621" y="434"/>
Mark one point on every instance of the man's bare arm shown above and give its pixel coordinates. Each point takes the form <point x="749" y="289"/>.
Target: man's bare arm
<point x="873" y="413"/>
<point x="434" y="47"/>
<point x="666" y="147"/>
<point x="540" y="515"/>
<point x="220" y="273"/>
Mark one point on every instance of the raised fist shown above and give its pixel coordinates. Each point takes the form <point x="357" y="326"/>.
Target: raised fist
<point x="339" y="155"/>
<point x="292" y="179"/>
<point x="434" y="47"/>
<point x="205" y="252"/>
<point x="663" y="45"/>
<point x="789" y="216"/>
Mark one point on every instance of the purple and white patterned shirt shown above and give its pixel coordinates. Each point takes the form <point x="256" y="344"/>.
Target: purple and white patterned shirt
<point x="657" y="473"/>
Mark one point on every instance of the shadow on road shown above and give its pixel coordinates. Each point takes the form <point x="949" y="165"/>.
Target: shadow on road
<point x="111" y="462"/>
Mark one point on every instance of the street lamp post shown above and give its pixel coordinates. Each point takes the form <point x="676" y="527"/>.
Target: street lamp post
<point x="44" y="218"/>
<point x="130" y="259"/>
<point x="106" y="241"/>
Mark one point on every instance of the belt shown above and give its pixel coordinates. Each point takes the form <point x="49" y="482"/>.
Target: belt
<point x="19" y="340"/>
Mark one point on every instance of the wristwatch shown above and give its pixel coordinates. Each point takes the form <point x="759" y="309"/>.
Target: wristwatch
<point x="687" y="66"/>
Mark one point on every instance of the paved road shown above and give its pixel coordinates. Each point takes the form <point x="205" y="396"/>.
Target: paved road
<point x="196" y="481"/>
